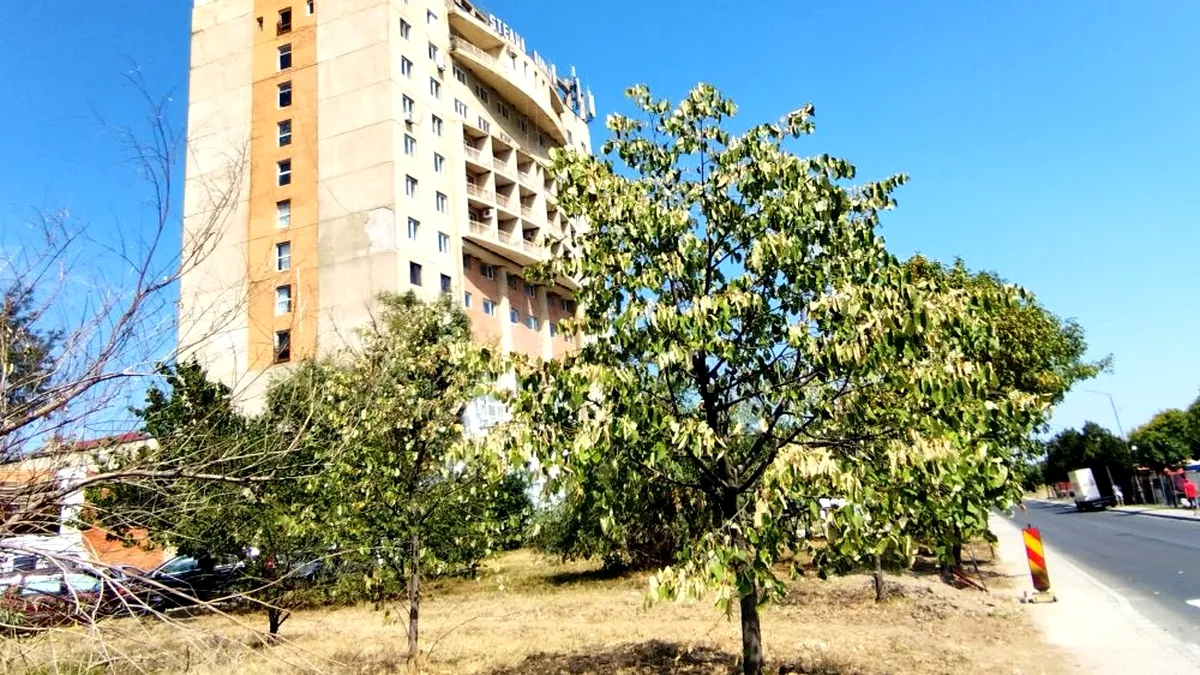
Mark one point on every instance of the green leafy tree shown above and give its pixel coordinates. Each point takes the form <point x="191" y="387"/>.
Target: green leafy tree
<point x="1036" y="358"/>
<point x="1167" y="440"/>
<point x="402" y="485"/>
<point x="1091" y="447"/>
<point x="743" y="305"/>
<point x="26" y="354"/>
<point x="219" y="487"/>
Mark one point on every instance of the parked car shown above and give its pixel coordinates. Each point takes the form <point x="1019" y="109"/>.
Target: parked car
<point x="185" y="580"/>
<point x="48" y="599"/>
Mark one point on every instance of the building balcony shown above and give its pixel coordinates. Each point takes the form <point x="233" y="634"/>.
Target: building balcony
<point x="479" y="228"/>
<point x="481" y="193"/>
<point x="509" y="245"/>
<point x="502" y="168"/>
<point x="508" y="204"/>
<point x="527" y="212"/>
<point x="531" y="100"/>
<point x="473" y="153"/>
<point x="528" y="179"/>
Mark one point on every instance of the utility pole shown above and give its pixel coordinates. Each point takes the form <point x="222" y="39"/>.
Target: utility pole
<point x="1136" y="484"/>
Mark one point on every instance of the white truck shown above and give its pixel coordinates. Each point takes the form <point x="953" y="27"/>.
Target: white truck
<point x="1087" y="493"/>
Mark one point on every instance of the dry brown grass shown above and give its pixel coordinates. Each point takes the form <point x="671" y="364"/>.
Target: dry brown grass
<point x="528" y="615"/>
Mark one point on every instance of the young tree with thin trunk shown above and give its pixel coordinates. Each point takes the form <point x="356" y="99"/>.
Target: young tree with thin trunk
<point x="735" y="297"/>
<point x="403" y="487"/>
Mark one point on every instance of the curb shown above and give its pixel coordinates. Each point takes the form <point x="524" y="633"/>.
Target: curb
<point x="1153" y="513"/>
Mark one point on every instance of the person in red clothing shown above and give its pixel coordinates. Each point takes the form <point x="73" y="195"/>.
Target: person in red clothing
<point x="1189" y="491"/>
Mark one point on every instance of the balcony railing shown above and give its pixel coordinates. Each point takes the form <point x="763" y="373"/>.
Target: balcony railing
<point x="473" y="153"/>
<point x="459" y="44"/>
<point x="502" y="167"/>
<point x="506" y="201"/>
<point x="527" y="212"/>
<point x="479" y="191"/>
<point x="479" y="227"/>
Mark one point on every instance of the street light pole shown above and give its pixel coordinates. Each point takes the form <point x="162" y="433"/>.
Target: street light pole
<point x="1112" y="403"/>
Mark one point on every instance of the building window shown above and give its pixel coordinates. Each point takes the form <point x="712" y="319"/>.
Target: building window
<point x="435" y="88"/>
<point x="408" y="105"/>
<point x="460" y="74"/>
<point x="467" y="299"/>
<point x="439" y="163"/>
<point x="532" y="323"/>
<point x="512" y="282"/>
<point x="410" y="145"/>
<point x="482" y="93"/>
<point x="283" y="172"/>
<point x="443" y="242"/>
<point x="485" y="125"/>
<point x="283" y="346"/>
<point x="460" y="107"/>
<point x="541" y="140"/>
<point x="466" y="261"/>
<point x="565" y="305"/>
<point x="406" y="67"/>
<point x="283" y="300"/>
<point x="285" y="133"/>
<point x="285" y="57"/>
<point x="504" y="111"/>
<point x="488" y="271"/>
<point x="283" y="213"/>
<point x="523" y="125"/>
<point x="437" y="125"/>
<point x="285" y="21"/>
<point x="440" y="201"/>
<point x="414" y="273"/>
<point x="433" y="52"/>
<point x="430" y="17"/>
<point x="514" y="316"/>
<point x="405" y="29"/>
<point x="489" y="307"/>
<point x="410" y="186"/>
<point x="283" y="256"/>
<point x="446" y="283"/>
<point x="309" y="7"/>
<point x="414" y="228"/>
<point x="553" y="329"/>
<point x="284" y="94"/>
<point x="530" y="290"/>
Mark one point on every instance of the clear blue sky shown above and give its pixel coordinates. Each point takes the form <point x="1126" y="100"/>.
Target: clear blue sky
<point x="1053" y="142"/>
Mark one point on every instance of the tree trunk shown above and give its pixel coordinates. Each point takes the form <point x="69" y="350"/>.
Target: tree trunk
<point x="880" y="590"/>
<point x="752" y="653"/>
<point x="274" y="621"/>
<point x="414" y="596"/>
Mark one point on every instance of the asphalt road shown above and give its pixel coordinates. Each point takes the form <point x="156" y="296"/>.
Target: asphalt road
<point x="1153" y="561"/>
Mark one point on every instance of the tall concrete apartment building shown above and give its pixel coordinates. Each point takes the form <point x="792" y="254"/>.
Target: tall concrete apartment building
<point x="338" y="149"/>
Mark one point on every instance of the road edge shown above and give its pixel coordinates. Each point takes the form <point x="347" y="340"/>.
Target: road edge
<point x="1092" y="622"/>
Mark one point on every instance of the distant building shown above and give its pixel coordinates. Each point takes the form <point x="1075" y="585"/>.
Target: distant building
<point x="49" y="476"/>
<point x="390" y="146"/>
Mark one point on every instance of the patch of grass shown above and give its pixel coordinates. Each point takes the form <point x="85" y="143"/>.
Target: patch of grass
<point x="528" y="614"/>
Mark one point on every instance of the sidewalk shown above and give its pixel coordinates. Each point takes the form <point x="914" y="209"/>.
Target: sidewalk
<point x="1152" y="510"/>
<point x="1159" y="511"/>
<point x="1092" y="623"/>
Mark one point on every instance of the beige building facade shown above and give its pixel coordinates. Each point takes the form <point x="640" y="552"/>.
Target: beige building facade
<point x="338" y="149"/>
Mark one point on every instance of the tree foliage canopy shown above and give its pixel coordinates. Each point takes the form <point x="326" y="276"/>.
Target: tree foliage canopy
<point x="1092" y="447"/>
<point x="1170" y="438"/>
<point x="751" y="333"/>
